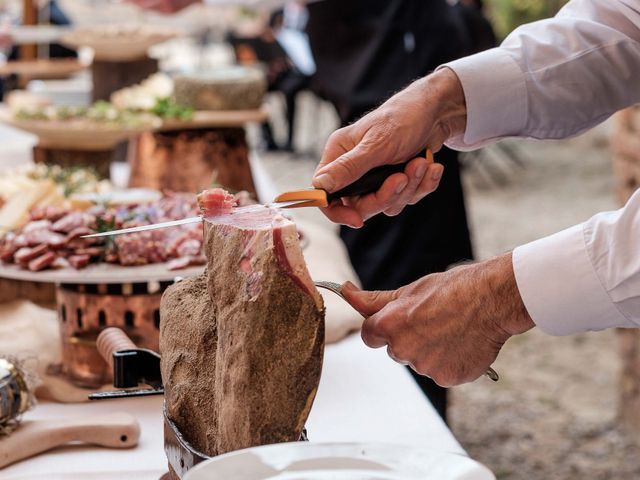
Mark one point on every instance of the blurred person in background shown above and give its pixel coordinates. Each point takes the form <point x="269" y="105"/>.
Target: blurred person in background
<point x="479" y="29"/>
<point x="365" y="51"/>
<point x="9" y="51"/>
<point x="283" y="48"/>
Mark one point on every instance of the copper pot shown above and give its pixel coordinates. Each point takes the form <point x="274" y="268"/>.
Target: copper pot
<point x="85" y="310"/>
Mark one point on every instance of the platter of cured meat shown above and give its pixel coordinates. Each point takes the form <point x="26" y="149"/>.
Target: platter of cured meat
<point x="43" y="240"/>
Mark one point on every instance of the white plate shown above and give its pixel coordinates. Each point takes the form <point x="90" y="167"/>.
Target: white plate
<point x="339" y="461"/>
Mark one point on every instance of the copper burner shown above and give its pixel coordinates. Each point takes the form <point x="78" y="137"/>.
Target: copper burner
<point x="85" y="310"/>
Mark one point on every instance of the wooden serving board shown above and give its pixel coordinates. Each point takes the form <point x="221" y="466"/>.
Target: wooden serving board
<point x="73" y="135"/>
<point x="100" y="273"/>
<point x="216" y="119"/>
<point x="42" y="69"/>
<point x="29" y="34"/>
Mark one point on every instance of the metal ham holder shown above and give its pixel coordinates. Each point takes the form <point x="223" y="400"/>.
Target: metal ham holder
<point x="133" y="367"/>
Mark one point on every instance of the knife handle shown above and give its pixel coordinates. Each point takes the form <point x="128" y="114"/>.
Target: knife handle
<point x="372" y="180"/>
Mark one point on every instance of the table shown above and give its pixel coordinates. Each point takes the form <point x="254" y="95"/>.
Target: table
<point x="363" y="396"/>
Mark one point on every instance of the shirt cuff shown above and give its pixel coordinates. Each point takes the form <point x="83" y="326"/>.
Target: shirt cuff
<point x="496" y="97"/>
<point x="560" y="288"/>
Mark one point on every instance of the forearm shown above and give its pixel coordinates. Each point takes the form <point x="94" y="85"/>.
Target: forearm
<point x="554" y="78"/>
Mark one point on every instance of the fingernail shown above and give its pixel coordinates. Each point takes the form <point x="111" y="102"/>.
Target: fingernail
<point x="420" y="171"/>
<point x="348" y="286"/>
<point x="325" y="181"/>
<point x="401" y="187"/>
<point x="437" y="175"/>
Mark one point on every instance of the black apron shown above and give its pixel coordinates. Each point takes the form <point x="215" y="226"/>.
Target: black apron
<point x="366" y="50"/>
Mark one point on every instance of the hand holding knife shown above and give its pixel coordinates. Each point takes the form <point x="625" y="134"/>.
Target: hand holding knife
<point x="310" y="197"/>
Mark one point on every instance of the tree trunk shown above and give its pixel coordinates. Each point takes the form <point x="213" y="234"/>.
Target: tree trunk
<point x="626" y="164"/>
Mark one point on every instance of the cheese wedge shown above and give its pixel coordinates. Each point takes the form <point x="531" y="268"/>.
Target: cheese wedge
<point x="15" y="212"/>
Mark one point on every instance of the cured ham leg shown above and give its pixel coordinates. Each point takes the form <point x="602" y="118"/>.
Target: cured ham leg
<point x="242" y="344"/>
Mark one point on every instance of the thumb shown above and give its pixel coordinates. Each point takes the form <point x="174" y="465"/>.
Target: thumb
<point x="367" y="302"/>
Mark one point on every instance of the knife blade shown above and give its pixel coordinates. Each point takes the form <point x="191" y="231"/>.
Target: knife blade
<point x="176" y="223"/>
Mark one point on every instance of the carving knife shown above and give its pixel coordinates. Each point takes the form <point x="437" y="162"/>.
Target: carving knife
<point x="308" y="197"/>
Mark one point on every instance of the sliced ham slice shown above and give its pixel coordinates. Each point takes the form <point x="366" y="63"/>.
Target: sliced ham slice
<point x="79" y="261"/>
<point x="72" y="221"/>
<point x="42" y="262"/>
<point x="25" y="254"/>
<point x="216" y="201"/>
<point x="60" y="262"/>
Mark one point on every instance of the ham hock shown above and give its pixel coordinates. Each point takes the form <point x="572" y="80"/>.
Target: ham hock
<point x="242" y="344"/>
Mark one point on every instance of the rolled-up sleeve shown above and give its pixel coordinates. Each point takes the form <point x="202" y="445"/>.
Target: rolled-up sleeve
<point x="586" y="277"/>
<point x="554" y="78"/>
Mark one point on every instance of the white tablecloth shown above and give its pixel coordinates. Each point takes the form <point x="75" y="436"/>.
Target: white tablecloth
<point x="363" y="396"/>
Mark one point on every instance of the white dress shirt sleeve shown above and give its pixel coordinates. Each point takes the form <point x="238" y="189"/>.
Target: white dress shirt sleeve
<point x="586" y="277"/>
<point x="553" y="78"/>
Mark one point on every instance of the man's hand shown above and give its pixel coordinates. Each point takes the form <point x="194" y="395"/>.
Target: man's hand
<point x="448" y="326"/>
<point x="426" y="113"/>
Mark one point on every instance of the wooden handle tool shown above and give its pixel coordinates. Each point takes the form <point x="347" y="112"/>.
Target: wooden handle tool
<point x="114" y="430"/>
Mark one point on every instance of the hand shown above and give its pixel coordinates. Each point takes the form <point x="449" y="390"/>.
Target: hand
<point x="448" y="326"/>
<point x="426" y="113"/>
<point x="164" y="6"/>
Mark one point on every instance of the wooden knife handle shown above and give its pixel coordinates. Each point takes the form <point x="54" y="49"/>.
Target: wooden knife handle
<point x="114" y="430"/>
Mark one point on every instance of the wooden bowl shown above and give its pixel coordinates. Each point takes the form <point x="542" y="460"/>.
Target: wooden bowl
<point x="118" y="43"/>
<point x="76" y="134"/>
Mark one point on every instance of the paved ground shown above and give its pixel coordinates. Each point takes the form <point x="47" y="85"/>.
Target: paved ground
<point x="552" y="416"/>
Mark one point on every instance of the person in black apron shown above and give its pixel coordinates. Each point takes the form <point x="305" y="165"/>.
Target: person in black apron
<point x="365" y="51"/>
